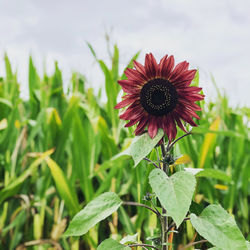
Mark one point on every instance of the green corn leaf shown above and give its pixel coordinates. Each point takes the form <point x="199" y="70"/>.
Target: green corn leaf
<point x="85" y="148"/>
<point x="175" y="192"/>
<point x="67" y="122"/>
<point x="115" y="66"/>
<point x="19" y="219"/>
<point x="214" y="173"/>
<point x="6" y="102"/>
<point x="95" y="211"/>
<point x="92" y="50"/>
<point x="110" y="87"/>
<point x="219" y="228"/>
<point x="34" y="86"/>
<point x="15" y="184"/>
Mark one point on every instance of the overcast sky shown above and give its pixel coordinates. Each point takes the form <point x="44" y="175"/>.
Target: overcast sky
<point x="213" y="36"/>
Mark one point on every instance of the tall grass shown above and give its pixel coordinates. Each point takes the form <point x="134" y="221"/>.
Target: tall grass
<point x="57" y="153"/>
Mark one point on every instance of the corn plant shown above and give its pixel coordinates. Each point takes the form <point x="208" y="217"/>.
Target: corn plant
<point x="60" y="151"/>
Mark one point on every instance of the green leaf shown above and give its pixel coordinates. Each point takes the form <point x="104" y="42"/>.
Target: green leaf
<point x="142" y="145"/>
<point x="248" y="245"/>
<point x="112" y="244"/>
<point x="129" y="239"/>
<point x="214" y="173"/>
<point x="219" y="228"/>
<point x="194" y="171"/>
<point x="175" y="192"/>
<point x="95" y="211"/>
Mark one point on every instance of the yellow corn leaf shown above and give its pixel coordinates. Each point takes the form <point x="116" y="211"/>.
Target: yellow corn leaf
<point x="17" y="124"/>
<point x="198" y="198"/>
<point x="63" y="186"/>
<point x="42" y="155"/>
<point x="184" y="159"/>
<point x="58" y="229"/>
<point x="208" y="141"/>
<point x="37" y="227"/>
<point x="221" y="187"/>
<point x="54" y="116"/>
<point x="3" y="124"/>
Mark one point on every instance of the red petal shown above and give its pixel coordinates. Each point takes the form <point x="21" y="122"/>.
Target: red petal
<point x="188" y="104"/>
<point x="179" y="68"/>
<point x="190" y="112"/>
<point x="129" y="86"/>
<point x="124" y="103"/>
<point x="173" y="133"/>
<point x="141" y="126"/>
<point x="179" y="123"/>
<point x="167" y="67"/>
<point x="189" y="89"/>
<point x="169" y="127"/>
<point x="152" y="127"/>
<point x="185" y="117"/>
<point x="150" y="66"/>
<point x="194" y="97"/>
<point x="131" y="123"/>
<point x="182" y="84"/>
<point x="139" y="67"/>
<point x="186" y="75"/>
<point x="132" y="112"/>
<point x="133" y="74"/>
<point x="160" y="65"/>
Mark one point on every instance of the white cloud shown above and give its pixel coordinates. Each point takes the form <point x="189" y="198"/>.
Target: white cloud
<point x="212" y="35"/>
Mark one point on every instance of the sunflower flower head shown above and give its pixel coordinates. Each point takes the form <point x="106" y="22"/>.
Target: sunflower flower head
<point x="159" y="95"/>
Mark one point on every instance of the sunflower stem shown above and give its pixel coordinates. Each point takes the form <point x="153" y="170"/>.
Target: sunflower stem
<point x="164" y="220"/>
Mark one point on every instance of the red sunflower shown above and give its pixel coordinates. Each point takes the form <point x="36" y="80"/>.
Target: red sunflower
<point x="159" y="96"/>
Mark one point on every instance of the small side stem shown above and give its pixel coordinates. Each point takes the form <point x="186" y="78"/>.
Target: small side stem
<point x="146" y="159"/>
<point x="142" y="245"/>
<point x="132" y="203"/>
<point x="172" y="144"/>
<point x="194" y="243"/>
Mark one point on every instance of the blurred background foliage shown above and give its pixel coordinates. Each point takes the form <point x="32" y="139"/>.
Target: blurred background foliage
<point x="57" y="153"/>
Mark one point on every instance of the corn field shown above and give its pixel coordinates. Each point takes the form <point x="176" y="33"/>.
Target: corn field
<point x="60" y="149"/>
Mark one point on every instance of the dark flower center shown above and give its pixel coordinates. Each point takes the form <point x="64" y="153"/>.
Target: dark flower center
<point x="158" y="97"/>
